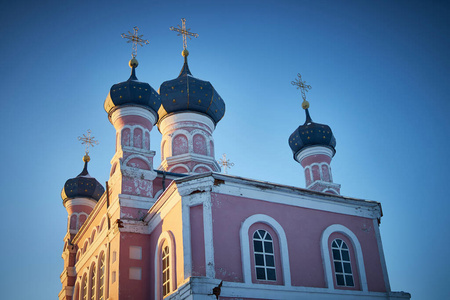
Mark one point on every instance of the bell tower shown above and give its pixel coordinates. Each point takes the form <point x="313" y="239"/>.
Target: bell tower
<point x="313" y="145"/>
<point x="189" y="113"/>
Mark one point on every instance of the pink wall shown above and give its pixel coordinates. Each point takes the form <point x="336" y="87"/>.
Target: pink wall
<point x="303" y="228"/>
<point x="197" y="241"/>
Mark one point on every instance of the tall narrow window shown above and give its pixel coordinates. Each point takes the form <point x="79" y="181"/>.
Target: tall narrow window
<point x="84" y="289"/>
<point x="92" y="283"/>
<point x="101" y="277"/>
<point x="165" y="271"/>
<point x="264" y="256"/>
<point x="342" y="263"/>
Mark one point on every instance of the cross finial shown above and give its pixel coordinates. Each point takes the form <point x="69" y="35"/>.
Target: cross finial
<point x="301" y="85"/>
<point x="88" y="140"/>
<point x="184" y="32"/>
<point x="225" y="163"/>
<point x="135" y="39"/>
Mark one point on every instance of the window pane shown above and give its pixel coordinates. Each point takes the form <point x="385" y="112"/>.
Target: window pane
<point x="255" y="235"/>
<point x="339" y="242"/>
<point x="259" y="259"/>
<point x="270" y="262"/>
<point x="258" y="246"/>
<point x="349" y="280"/>
<point x="336" y="254"/>
<point x="345" y="255"/>
<point x="262" y="233"/>
<point x="347" y="268"/>
<point x="271" y="274"/>
<point x="344" y="246"/>
<point x="268" y="237"/>
<point x="338" y="267"/>
<point x="334" y="245"/>
<point x="260" y="273"/>
<point x="268" y="247"/>
<point x="340" y="280"/>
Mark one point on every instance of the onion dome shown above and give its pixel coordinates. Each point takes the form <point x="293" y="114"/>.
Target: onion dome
<point x="311" y="134"/>
<point x="132" y="92"/>
<point x="82" y="186"/>
<point x="189" y="94"/>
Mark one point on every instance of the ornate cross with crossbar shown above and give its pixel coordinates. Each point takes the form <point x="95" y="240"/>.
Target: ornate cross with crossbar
<point x="225" y="163"/>
<point x="88" y="141"/>
<point x="135" y="39"/>
<point x="184" y="32"/>
<point x="301" y="85"/>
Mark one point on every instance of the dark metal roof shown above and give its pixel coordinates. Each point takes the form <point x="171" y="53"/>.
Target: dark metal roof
<point x="187" y="93"/>
<point x="82" y="186"/>
<point x="310" y="134"/>
<point x="132" y="92"/>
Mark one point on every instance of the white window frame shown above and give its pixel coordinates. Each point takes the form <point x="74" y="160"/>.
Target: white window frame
<point x="245" y="246"/>
<point x="357" y="251"/>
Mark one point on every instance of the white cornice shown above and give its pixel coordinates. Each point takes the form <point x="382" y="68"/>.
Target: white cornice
<point x="314" y="150"/>
<point x="80" y="201"/>
<point x="133" y="111"/>
<point x="172" y="120"/>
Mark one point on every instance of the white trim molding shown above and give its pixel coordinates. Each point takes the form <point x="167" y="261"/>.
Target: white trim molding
<point x="134" y="111"/>
<point x="245" y="247"/>
<point x="326" y="255"/>
<point x="313" y="150"/>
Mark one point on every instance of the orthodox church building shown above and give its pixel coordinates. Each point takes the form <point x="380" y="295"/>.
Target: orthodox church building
<point x="185" y="231"/>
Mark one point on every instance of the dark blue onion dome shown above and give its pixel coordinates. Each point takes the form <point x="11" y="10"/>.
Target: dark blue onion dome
<point x="132" y="92"/>
<point x="82" y="186"/>
<point x="189" y="94"/>
<point x="311" y="134"/>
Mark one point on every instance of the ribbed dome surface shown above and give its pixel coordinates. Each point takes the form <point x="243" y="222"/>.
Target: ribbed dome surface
<point x="187" y="93"/>
<point x="310" y="134"/>
<point x="82" y="186"/>
<point x="132" y="92"/>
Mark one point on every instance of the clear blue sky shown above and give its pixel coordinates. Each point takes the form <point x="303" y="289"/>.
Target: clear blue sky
<point x="379" y="72"/>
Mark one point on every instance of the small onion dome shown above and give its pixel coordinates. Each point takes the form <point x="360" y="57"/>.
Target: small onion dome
<point x="132" y="92"/>
<point x="189" y="94"/>
<point x="82" y="186"/>
<point x="311" y="134"/>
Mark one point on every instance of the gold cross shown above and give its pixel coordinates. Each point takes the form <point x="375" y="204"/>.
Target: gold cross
<point x="301" y="85"/>
<point x="135" y="39"/>
<point x="88" y="141"/>
<point x="184" y="32"/>
<point x="225" y="163"/>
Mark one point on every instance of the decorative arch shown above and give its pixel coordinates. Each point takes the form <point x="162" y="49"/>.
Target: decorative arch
<point x="85" y="245"/>
<point x="139" y="157"/>
<point x="180" y="144"/>
<point x="326" y="254"/>
<point x="166" y="238"/>
<point x="245" y="248"/>
<point x="172" y="169"/>
<point x="102" y="224"/>
<point x="202" y="166"/>
<point x="93" y="233"/>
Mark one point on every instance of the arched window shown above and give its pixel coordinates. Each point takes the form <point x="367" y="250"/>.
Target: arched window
<point x="165" y="271"/>
<point x="92" y="281"/>
<point x="84" y="288"/>
<point x="264" y="249"/>
<point x="343" y="259"/>
<point x="264" y="255"/>
<point x="342" y="263"/>
<point x="101" y="277"/>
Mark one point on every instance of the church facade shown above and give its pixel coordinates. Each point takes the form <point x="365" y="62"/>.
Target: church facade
<point x="185" y="231"/>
